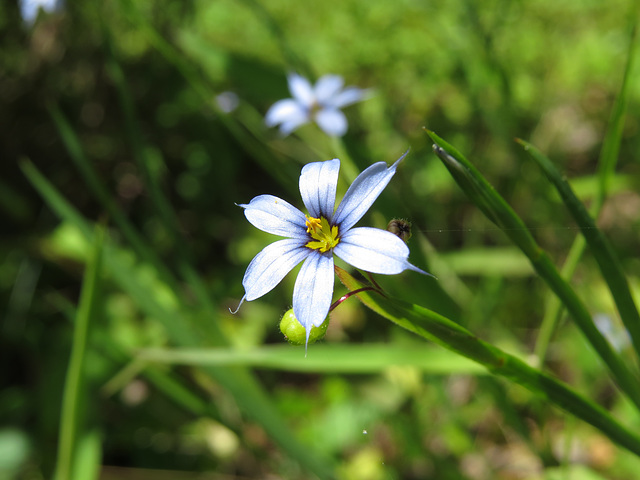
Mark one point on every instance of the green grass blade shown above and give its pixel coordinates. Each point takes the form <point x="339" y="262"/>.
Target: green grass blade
<point x="599" y="245"/>
<point x="441" y="330"/>
<point x="478" y="189"/>
<point x="554" y="307"/>
<point x="89" y="456"/>
<point x="325" y="358"/>
<point x="611" y="145"/>
<point x="73" y="390"/>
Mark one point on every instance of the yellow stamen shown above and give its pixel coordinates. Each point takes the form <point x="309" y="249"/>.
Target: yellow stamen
<point x="325" y="237"/>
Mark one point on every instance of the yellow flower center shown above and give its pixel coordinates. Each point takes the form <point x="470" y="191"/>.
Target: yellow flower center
<point x="325" y="237"/>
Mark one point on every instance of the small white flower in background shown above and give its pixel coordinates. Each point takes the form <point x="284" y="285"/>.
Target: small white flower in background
<point x="227" y="101"/>
<point x="320" y="103"/>
<point x="615" y="333"/>
<point x="315" y="237"/>
<point x="29" y="9"/>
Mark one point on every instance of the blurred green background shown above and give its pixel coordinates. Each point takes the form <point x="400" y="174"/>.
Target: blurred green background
<point x="117" y="105"/>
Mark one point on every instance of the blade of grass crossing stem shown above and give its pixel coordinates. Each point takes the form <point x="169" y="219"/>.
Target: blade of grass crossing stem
<point x="441" y="330"/>
<point x="134" y="280"/>
<point x="325" y="358"/>
<point x="599" y="245"/>
<point x="479" y="191"/>
<point x="606" y="167"/>
<point x="72" y="399"/>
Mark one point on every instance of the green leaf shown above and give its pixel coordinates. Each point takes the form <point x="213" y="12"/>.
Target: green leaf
<point x="323" y="358"/>
<point x="441" y="330"/>
<point x="479" y="191"/>
<point x="70" y="424"/>
<point x="88" y="456"/>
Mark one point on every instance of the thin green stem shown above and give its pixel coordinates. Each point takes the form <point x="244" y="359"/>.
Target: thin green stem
<point x="73" y="389"/>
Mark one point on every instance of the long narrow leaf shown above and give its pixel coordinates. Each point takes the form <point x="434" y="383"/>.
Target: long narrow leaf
<point x="73" y="389"/>
<point x="329" y="358"/>
<point x="441" y="330"/>
<point x="478" y="189"/>
<point x="611" y="145"/>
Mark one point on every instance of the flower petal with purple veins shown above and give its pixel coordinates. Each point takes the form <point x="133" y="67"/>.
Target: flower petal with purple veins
<point x="318" y="183"/>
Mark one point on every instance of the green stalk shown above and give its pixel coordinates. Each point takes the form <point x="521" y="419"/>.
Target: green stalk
<point x="554" y="307"/>
<point x="497" y="210"/>
<point x="73" y="395"/>
<point x="441" y="330"/>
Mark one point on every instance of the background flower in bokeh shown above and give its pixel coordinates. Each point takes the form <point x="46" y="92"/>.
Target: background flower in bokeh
<point x="320" y="103"/>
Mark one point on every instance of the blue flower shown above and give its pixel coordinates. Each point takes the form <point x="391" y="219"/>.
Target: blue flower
<point x="321" y="103"/>
<point x="29" y="9"/>
<point x="315" y="237"/>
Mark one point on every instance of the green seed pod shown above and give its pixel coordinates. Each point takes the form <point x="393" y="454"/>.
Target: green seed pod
<point x="401" y="228"/>
<point x="295" y="333"/>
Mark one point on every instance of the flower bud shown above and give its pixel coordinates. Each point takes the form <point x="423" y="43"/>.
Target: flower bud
<point x="296" y="334"/>
<point x="401" y="228"/>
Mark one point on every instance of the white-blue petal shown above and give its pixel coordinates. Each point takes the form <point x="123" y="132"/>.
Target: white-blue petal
<point x="332" y="121"/>
<point x="271" y="265"/>
<point x="287" y="110"/>
<point x="318" y="183"/>
<point x="327" y="87"/>
<point x="348" y="96"/>
<point x="29" y="8"/>
<point x="313" y="290"/>
<point x="274" y="215"/>
<point x="374" y="250"/>
<point x="301" y="89"/>
<point x="364" y="190"/>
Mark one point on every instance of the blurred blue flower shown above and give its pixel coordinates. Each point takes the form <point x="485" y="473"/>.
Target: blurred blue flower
<point x="617" y="335"/>
<point x="320" y="103"/>
<point x="227" y="101"/>
<point x="29" y="9"/>
<point x="315" y="237"/>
